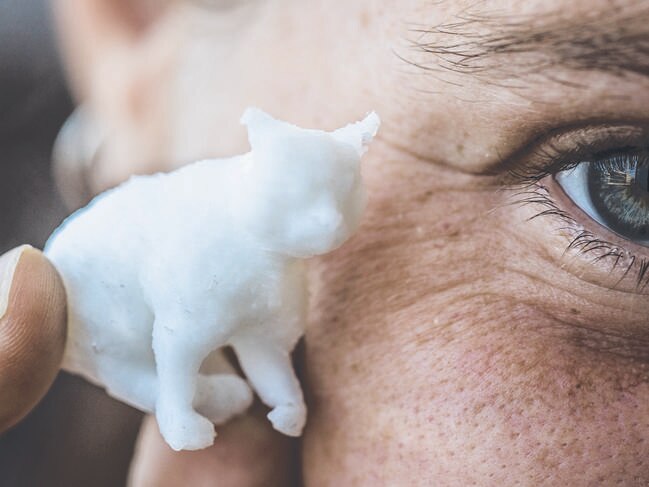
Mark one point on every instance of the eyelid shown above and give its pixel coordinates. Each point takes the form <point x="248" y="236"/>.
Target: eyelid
<point x="561" y="149"/>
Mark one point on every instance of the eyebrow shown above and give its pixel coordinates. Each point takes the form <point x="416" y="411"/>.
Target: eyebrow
<point x="498" y="47"/>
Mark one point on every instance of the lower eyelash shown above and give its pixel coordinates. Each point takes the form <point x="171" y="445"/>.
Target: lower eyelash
<point x="533" y="192"/>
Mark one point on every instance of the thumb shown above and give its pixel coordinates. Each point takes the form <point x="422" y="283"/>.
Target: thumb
<point x="32" y="331"/>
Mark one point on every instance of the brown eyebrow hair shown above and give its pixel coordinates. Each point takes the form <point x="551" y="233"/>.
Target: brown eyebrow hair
<point x="497" y="47"/>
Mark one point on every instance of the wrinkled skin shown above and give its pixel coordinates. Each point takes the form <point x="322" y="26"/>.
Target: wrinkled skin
<point x="452" y="341"/>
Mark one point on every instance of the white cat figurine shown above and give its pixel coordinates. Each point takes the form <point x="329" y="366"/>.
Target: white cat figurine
<point x="164" y="271"/>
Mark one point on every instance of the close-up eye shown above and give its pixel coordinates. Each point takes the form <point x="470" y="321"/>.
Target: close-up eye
<point x="613" y="190"/>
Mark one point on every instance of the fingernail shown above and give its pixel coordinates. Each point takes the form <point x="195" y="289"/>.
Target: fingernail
<point x="8" y="264"/>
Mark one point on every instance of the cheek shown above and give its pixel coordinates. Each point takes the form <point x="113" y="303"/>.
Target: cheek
<point x="421" y="366"/>
<point x="512" y="404"/>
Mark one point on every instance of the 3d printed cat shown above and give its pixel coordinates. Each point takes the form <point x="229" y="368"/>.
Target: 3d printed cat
<point x="165" y="270"/>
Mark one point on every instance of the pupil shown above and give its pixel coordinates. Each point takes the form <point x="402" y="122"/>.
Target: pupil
<point x="619" y="190"/>
<point x="642" y="178"/>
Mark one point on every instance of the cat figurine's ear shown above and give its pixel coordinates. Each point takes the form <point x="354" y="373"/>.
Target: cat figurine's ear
<point x="256" y="119"/>
<point x="359" y="134"/>
<point x="262" y="127"/>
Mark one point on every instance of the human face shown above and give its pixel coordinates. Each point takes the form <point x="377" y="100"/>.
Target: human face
<point x="459" y="338"/>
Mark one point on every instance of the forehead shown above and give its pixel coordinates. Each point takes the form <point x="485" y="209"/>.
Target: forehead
<point x="479" y="79"/>
<point x="580" y="35"/>
<point x="446" y="11"/>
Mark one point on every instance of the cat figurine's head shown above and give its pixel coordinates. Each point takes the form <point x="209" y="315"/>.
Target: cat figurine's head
<point x="302" y="193"/>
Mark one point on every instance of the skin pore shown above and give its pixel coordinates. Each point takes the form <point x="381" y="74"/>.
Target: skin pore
<point x="456" y="339"/>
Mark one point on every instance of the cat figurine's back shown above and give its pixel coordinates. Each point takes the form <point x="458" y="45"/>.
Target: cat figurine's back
<point x="165" y="270"/>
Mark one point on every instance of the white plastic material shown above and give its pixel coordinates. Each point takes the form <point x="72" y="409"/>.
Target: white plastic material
<point x="164" y="271"/>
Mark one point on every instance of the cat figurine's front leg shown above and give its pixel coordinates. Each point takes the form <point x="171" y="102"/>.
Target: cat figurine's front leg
<point x="270" y="371"/>
<point x="264" y="352"/>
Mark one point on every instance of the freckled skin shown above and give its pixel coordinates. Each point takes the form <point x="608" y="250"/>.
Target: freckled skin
<point x="450" y="342"/>
<point x="459" y="383"/>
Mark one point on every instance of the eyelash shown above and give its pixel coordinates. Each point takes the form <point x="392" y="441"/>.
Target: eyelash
<point x="530" y="190"/>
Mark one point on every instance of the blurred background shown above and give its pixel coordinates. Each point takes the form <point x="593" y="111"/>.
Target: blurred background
<point x="77" y="436"/>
